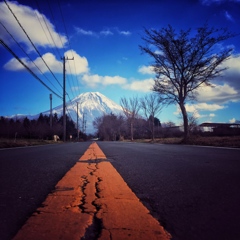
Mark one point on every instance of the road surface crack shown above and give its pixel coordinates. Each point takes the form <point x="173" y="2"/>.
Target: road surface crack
<point x="83" y="188"/>
<point x="94" y="230"/>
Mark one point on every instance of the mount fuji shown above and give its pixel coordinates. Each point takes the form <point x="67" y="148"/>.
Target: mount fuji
<point x="90" y="106"/>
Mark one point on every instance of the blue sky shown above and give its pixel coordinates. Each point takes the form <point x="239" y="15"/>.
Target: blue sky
<point x="103" y="37"/>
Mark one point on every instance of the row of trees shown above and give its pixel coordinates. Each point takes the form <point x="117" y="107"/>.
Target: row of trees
<point x="39" y="128"/>
<point x="150" y="105"/>
<point x="139" y="120"/>
<point x="111" y="127"/>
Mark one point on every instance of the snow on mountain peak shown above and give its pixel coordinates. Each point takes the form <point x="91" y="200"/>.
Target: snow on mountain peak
<point x="90" y="106"/>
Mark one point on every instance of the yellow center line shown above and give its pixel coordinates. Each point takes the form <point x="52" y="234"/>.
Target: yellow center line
<point x="92" y="201"/>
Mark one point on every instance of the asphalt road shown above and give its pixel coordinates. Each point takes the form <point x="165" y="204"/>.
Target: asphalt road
<point x="192" y="191"/>
<point x="27" y="175"/>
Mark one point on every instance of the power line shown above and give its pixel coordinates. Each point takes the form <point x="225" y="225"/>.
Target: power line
<point x="27" y="54"/>
<point x="50" y="34"/>
<point x="39" y="52"/>
<point x="71" y="79"/>
<point x="69" y="43"/>
<point x="31" y="42"/>
<point x="64" y="24"/>
<point x="49" y="5"/>
<point x="69" y="114"/>
<point x="2" y="42"/>
<point x="55" y="26"/>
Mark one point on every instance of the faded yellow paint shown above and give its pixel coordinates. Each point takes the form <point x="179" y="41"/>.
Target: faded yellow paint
<point x="92" y="201"/>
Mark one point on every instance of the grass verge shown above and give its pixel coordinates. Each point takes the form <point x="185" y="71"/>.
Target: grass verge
<point x="10" y="143"/>
<point x="233" y="141"/>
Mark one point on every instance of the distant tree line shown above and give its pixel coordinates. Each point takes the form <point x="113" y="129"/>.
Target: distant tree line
<point x="37" y="128"/>
<point x="139" y="121"/>
<point x="111" y="127"/>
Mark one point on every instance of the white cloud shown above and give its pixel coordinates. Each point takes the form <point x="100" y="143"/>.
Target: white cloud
<point x="140" y="85"/>
<point x="217" y="93"/>
<point x="159" y="52"/>
<point x="52" y="62"/>
<point x="205" y="107"/>
<point x="15" y="65"/>
<point x="107" y="80"/>
<point x="49" y="58"/>
<point x="85" y="32"/>
<point x="33" y="23"/>
<point x="233" y="120"/>
<point x="77" y="66"/>
<point x="199" y="107"/>
<point x="233" y="63"/>
<point x="96" y="80"/>
<point x="91" y="80"/>
<point x="106" y="32"/>
<point x="125" y="33"/>
<point x="227" y="87"/>
<point x="232" y="75"/>
<point x="146" y="70"/>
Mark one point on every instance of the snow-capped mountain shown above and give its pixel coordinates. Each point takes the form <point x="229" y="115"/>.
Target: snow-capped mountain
<point x="90" y="106"/>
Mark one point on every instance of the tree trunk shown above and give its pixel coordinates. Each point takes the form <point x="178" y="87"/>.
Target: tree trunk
<point x="185" y="122"/>
<point x="153" y="129"/>
<point x="131" y="131"/>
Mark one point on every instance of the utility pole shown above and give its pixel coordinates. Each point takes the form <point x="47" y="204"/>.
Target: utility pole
<point x="77" y="124"/>
<point x="83" y="123"/>
<point x="64" y="96"/>
<point x="50" y="110"/>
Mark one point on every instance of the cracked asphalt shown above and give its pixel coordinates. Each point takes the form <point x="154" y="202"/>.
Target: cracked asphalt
<point x="27" y="176"/>
<point x="193" y="192"/>
<point x="92" y="201"/>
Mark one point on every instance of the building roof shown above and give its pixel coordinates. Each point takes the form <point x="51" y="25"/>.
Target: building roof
<point x="215" y="125"/>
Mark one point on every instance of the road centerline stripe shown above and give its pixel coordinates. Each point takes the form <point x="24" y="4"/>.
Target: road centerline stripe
<point x="92" y="201"/>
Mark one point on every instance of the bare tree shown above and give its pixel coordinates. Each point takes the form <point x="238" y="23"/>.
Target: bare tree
<point x="151" y="106"/>
<point x="183" y="62"/>
<point x="130" y="108"/>
<point x="193" y="122"/>
<point x="97" y="122"/>
<point x="109" y="127"/>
